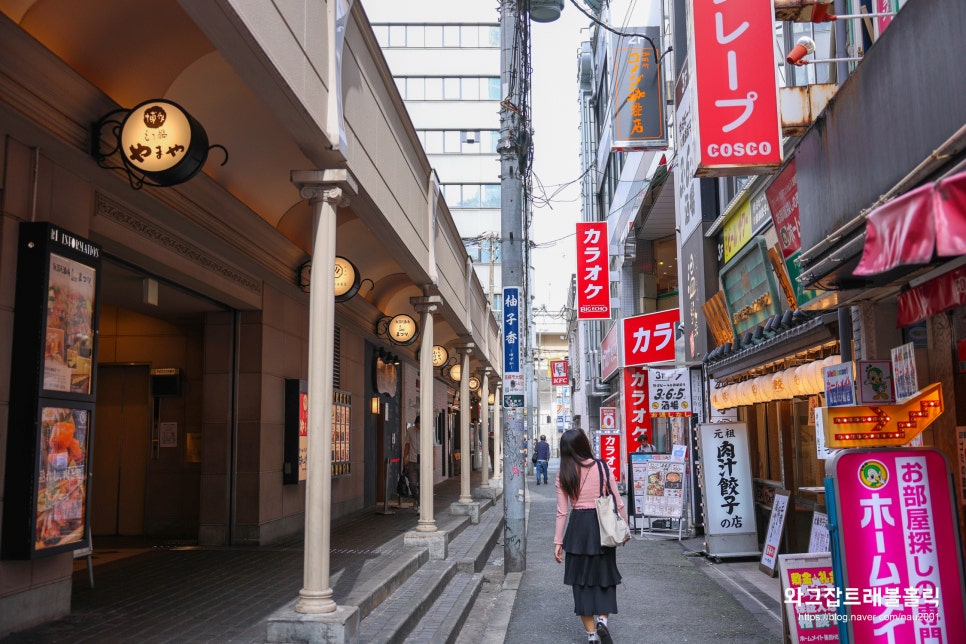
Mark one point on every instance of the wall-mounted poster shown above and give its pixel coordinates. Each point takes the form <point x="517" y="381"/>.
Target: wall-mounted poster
<point x="61" y="504"/>
<point x="69" y="328"/>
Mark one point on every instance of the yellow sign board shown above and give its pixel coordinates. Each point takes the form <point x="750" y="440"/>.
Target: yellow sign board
<point x="885" y="425"/>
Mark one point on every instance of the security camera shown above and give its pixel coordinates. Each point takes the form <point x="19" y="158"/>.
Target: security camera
<point x="804" y="47"/>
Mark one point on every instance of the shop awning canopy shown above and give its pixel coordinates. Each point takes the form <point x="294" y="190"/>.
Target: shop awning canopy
<point x="916" y="228"/>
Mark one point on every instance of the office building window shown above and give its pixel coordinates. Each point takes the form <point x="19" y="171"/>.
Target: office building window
<point x="432" y="36"/>
<point x="437" y="88"/>
<point x="472" y="195"/>
<point x="459" y="141"/>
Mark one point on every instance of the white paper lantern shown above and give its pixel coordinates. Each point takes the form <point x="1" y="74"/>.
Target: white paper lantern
<point x="798" y="380"/>
<point x="816" y="380"/>
<point x="778" y="389"/>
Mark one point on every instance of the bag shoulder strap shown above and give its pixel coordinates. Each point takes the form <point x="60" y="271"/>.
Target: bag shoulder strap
<point x="604" y="478"/>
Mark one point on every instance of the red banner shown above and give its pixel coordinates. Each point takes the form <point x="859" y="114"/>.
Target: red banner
<point x="935" y="296"/>
<point x="650" y="338"/>
<point x="593" y="277"/>
<point x="782" y="196"/>
<point x="637" y="417"/>
<point x="735" y="86"/>
<point x="610" y="453"/>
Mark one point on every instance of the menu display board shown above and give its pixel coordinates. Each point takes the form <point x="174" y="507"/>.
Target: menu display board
<point x="663" y="489"/>
<point x="54" y="357"/>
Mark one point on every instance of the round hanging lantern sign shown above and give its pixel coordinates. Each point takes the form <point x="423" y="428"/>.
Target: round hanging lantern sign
<point x="440" y="355"/>
<point x="346" y="279"/>
<point x="402" y="329"/>
<point x="163" y="142"/>
<point x="474" y="383"/>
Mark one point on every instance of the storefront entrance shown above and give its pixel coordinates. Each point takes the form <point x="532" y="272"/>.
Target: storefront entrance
<point x="122" y="425"/>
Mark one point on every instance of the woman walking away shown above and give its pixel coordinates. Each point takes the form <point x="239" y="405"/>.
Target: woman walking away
<point x="590" y="568"/>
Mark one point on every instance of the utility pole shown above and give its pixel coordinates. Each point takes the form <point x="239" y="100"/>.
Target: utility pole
<point x="511" y="247"/>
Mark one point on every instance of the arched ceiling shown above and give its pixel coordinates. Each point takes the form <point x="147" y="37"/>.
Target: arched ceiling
<point x="134" y="51"/>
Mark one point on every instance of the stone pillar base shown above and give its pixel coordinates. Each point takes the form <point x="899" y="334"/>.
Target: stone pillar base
<point x="436" y="542"/>
<point x="338" y="627"/>
<point x="487" y="492"/>
<point x="469" y="509"/>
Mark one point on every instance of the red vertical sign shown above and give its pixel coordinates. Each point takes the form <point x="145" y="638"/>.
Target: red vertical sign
<point x="637" y="417"/>
<point x="610" y="453"/>
<point x="559" y="373"/>
<point x="593" y="278"/>
<point x="735" y="89"/>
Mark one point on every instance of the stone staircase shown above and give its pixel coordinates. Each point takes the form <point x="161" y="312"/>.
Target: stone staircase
<point x="425" y="600"/>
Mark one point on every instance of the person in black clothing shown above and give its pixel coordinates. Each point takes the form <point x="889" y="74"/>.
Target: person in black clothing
<point x="542" y="452"/>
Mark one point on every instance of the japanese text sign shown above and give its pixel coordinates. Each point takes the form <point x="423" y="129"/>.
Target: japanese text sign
<point x="839" y="385"/>
<point x="734" y="86"/>
<point x="558" y="373"/>
<point x="808" y="588"/>
<point x="637" y="416"/>
<point x="782" y="197"/>
<point x="669" y="392"/>
<point x="650" y="338"/>
<point x="610" y="352"/>
<point x="593" y="276"/>
<point x="896" y="523"/>
<point x="663" y="489"/>
<point x="726" y="470"/>
<point x="608" y="419"/>
<point x="639" y="120"/>
<point x="610" y="453"/>
<point x="511" y="329"/>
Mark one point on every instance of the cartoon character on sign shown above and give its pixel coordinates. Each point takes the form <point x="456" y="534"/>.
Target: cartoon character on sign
<point x="873" y="475"/>
<point x="876" y="379"/>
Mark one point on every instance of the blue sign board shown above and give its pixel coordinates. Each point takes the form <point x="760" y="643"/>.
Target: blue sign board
<point x="511" y="329"/>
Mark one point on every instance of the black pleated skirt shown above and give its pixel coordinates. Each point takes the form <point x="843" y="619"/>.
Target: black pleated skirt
<point x="590" y="569"/>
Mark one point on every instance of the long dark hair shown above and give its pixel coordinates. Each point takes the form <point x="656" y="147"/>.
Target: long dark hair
<point x="574" y="448"/>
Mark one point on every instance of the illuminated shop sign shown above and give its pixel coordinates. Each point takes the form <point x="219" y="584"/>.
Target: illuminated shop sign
<point x="749" y="287"/>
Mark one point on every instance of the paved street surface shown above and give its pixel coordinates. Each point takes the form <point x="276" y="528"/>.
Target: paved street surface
<point x="668" y="593"/>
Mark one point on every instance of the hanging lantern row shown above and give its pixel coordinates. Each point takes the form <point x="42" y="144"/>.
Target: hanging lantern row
<point x="803" y="380"/>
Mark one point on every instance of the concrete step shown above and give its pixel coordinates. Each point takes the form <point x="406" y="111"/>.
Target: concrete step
<point x="443" y="621"/>
<point x="393" y="619"/>
<point x="471" y="548"/>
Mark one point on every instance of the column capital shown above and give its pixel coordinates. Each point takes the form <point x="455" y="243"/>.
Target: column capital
<point x="426" y="303"/>
<point x="335" y="186"/>
<point x="466" y="348"/>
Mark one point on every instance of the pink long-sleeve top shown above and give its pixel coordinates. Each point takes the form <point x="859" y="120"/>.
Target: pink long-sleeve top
<point x="589" y="491"/>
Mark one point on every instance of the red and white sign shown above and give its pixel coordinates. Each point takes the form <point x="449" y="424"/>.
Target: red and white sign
<point x="608" y="419"/>
<point x="610" y="453"/>
<point x="650" y="338"/>
<point x="610" y="353"/>
<point x="782" y="196"/>
<point x="593" y="276"/>
<point x="559" y="373"/>
<point x="637" y="415"/>
<point x="897" y="523"/>
<point x="735" y="86"/>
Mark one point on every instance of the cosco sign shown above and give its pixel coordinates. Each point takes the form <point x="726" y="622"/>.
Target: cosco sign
<point x="750" y="149"/>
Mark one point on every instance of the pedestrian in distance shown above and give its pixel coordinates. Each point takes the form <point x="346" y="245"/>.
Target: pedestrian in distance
<point x="542" y="453"/>
<point x="589" y="568"/>
<point x="410" y="457"/>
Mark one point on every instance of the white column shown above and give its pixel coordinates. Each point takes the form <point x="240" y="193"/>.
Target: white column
<point x="485" y="426"/>
<point x="325" y="190"/>
<point x="466" y="495"/>
<point x="427" y="427"/>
